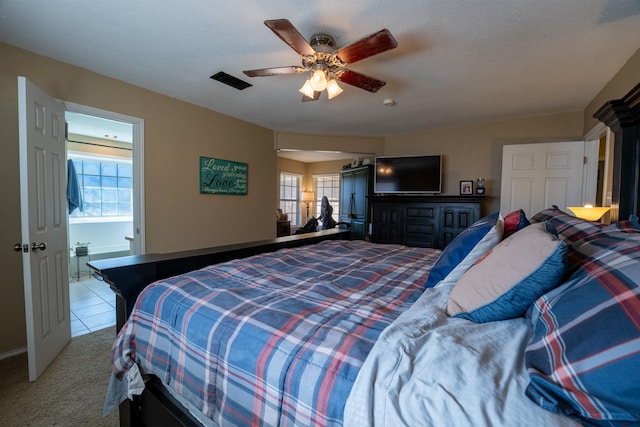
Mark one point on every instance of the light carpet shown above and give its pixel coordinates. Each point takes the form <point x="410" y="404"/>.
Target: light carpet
<point x="69" y="393"/>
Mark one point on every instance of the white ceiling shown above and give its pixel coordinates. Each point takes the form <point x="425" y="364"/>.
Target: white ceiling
<point x="98" y="127"/>
<point x="457" y="61"/>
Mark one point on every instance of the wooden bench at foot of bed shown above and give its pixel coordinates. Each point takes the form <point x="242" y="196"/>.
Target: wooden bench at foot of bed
<point x="128" y="276"/>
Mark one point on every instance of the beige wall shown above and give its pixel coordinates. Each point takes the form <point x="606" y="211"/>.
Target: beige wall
<point x="293" y="166"/>
<point x="176" y="134"/>
<point x="475" y="151"/>
<point x="321" y="168"/>
<point x="625" y="79"/>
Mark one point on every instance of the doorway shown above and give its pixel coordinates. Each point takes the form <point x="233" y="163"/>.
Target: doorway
<point x="537" y="176"/>
<point x="104" y="150"/>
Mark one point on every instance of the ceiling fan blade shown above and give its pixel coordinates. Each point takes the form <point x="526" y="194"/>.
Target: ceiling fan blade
<point x="373" y="44"/>
<point x="276" y="71"/>
<point x="290" y="35"/>
<point x="360" y="80"/>
<point x="316" y="96"/>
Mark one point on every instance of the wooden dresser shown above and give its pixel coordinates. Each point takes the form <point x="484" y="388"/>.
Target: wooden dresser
<point x="425" y="221"/>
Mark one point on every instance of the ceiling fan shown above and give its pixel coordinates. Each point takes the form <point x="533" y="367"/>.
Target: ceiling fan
<point x="324" y="64"/>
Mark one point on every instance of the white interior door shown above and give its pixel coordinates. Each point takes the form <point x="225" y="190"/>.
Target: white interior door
<point x="537" y="176"/>
<point x="45" y="257"/>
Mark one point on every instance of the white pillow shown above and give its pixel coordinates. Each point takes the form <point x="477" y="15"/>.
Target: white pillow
<point x="510" y="277"/>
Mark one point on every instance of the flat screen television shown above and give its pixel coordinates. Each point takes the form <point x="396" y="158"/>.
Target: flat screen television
<point x="408" y="174"/>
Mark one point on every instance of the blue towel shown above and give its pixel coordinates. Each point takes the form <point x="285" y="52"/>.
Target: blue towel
<point x="74" y="192"/>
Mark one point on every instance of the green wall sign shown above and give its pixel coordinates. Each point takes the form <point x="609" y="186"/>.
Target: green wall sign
<point x="219" y="176"/>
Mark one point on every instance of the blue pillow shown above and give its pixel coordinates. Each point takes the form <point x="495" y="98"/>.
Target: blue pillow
<point x="466" y="248"/>
<point x="583" y="359"/>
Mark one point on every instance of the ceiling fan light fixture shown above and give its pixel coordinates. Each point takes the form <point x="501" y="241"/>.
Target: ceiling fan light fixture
<point x="307" y="89"/>
<point x="319" y="80"/>
<point x="333" y="89"/>
<point x="323" y="62"/>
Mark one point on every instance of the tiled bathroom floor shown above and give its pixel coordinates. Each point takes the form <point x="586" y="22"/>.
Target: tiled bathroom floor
<point x="92" y="306"/>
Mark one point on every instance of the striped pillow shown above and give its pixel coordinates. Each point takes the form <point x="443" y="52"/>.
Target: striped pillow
<point x="584" y="356"/>
<point x="569" y="227"/>
<point x="631" y="225"/>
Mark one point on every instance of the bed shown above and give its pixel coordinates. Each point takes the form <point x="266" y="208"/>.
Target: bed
<point x="343" y="332"/>
<point x="520" y="320"/>
<point x="286" y="331"/>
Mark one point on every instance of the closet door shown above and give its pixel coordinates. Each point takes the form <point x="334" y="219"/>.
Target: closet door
<point x="537" y="176"/>
<point x="354" y="202"/>
<point x="346" y="193"/>
<point x="360" y="181"/>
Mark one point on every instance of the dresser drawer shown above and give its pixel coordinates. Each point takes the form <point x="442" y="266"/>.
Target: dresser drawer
<point x="420" y="228"/>
<point x="420" y="212"/>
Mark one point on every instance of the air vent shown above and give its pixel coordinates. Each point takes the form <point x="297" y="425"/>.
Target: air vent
<point x="230" y="80"/>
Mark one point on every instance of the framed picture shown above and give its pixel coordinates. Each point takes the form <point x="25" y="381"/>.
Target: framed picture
<point x="466" y="187"/>
<point x="219" y="176"/>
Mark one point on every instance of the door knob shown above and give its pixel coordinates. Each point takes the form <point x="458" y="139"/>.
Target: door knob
<point x="19" y="247"/>
<point x="35" y="246"/>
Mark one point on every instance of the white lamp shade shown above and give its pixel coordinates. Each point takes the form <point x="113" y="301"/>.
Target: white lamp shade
<point x="306" y="89"/>
<point x="307" y="196"/>
<point x="333" y="89"/>
<point x="319" y="80"/>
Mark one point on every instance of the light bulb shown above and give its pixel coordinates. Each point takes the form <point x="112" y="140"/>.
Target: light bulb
<point x="306" y="89"/>
<point x="319" y="80"/>
<point x="333" y="89"/>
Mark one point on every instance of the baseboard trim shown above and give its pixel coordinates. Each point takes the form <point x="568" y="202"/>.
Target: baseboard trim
<point x="12" y="353"/>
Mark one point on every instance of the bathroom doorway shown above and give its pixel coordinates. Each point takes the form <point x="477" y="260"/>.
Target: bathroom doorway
<point x="104" y="154"/>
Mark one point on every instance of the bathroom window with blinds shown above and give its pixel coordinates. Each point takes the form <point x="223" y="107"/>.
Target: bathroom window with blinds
<point x="106" y="186"/>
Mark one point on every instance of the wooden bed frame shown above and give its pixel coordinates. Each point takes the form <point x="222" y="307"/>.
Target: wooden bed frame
<point x="622" y="116"/>
<point x="129" y="275"/>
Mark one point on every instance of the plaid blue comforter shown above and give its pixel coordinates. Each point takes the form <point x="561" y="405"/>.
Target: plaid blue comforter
<point x="274" y="339"/>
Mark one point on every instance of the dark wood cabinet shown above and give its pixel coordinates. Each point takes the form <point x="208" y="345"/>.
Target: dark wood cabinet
<point x="356" y="189"/>
<point x="283" y="228"/>
<point x="387" y="220"/>
<point x="454" y="220"/>
<point x="424" y="221"/>
<point x="623" y="117"/>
